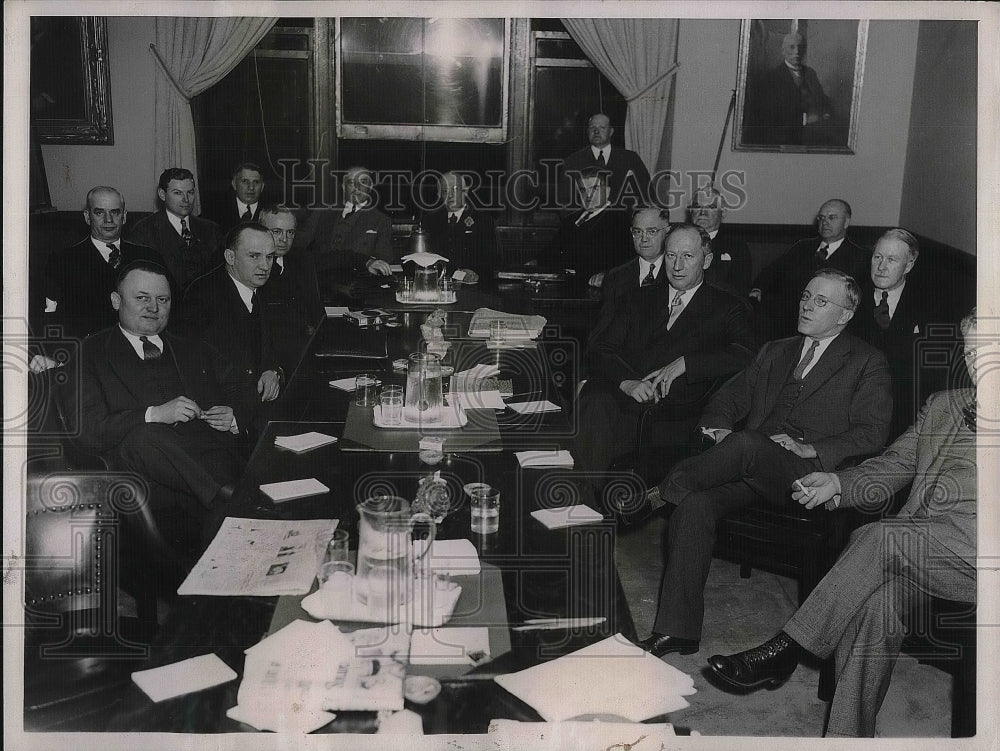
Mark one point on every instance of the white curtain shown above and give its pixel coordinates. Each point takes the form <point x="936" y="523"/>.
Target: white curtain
<point x="639" y="56"/>
<point x="193" y="54"/>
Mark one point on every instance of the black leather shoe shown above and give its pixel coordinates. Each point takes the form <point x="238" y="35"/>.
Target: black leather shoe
<point x="635" y="510"/>
<point x="769" y="665"/>
<point x="661" y="644"/>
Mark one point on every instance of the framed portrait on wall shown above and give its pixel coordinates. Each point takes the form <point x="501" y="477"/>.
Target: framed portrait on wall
<point x="799" y="85"/>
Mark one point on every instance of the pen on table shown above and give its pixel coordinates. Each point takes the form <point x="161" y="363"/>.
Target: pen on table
<point x="536" y="624"/>
<point x="524" y="393"/>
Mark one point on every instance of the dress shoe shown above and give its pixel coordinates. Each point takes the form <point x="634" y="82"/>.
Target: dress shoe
<point x="661" y="644"/>
<point x="769" y="665"/>
<point x="632" y="510"/>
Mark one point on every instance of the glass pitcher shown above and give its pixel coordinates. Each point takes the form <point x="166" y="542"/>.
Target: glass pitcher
<point x="423" y="402"/>
<point x="425" y="284"/>
<point x="386" y="560"/>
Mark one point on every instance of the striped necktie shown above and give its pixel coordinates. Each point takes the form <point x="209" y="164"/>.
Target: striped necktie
<point x="115" y="258"/>
<point x="675" y="308"/>
<point x="807" y="358"/>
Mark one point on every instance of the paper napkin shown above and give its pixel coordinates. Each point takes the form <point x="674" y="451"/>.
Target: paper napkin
<point x="335" y="311"/>
<point x="286" y="491"/>
<point x="534" y="408"/>
<point x="424" y="259"/>
<point x="568" y="516"/>
<point x="529" y="459"/>
<point x="464" y="645"/>
<point x="454" y="557"/>
<point x="477" y="399"/>
<point x="304" y="442"/>
<point x="183" y="677"/>
<point x="477" y="372"/>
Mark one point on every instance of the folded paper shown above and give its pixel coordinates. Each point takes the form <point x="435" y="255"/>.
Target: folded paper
<point x="568" y="516"/>
<point x="527" y="459"/>
<point x="304" y="441"/>
<point x="184" y="677"/>
<point x="291" y="489"/>
<point x="535" y="407"/>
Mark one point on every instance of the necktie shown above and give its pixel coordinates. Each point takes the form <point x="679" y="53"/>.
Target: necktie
<point x="277" y="270"/>
<point x="452" y="218"/>
<point x="675" y="308"/>
<point x="601" y="161"/>
<point x="807" y="358"/>
<point x="115" y="258"/>
<point x="149" y="350"/>
<point x="650" y="278"/>
<point x="186" y="235"/>
<point x="969" y="416"/>
<point x="247" y="215"/>
<point x="823" y="253"/>
<point x="253" y="303"/>
<point x="882" y="312"/>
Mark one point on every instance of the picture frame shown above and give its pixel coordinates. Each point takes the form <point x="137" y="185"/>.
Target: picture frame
<point x="799" y="85"/>
<point x="71" y="80"/>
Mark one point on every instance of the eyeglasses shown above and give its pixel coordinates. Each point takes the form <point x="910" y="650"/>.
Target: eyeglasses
<point x="287" y="233"/>
<point x="818" y="300"/>
<point x="694" y="208"/>
<point x="650" y="232"/>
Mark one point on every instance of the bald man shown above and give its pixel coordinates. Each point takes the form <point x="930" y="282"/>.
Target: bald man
<point x="627" y="176"/>
<point x="459" y="232"/>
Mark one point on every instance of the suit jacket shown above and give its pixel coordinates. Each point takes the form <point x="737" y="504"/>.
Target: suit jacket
<point x="712" y="333"/>
<point x="843" y="409"/>
<point x="470" y="243"/>
<point x="112" y="393"/>
<point x="908" y="330"/>
<point x="777" y="103"/>
<point x="226" y="213"/>
<point x="214" y="313"/>
<point x="598" y="244"/>
<point x="782" y="282"/>
<point x="294" y="307"/>
<point x="342" y="243"/>
<point x="618" y="283"/>
<point x="938" y="454"/>
<point x="732" y="265"/>
<point x="625" y="192"/>
<point x="81" y="282"/>
<point x="184" y="264"/>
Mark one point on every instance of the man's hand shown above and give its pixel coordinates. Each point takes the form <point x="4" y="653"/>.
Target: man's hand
<point x="641" y="391"/>
<point x="268" y="385"/>
<point x="220" y="418"/>
<point x="41" y="363"/>
<point x="178" y="409"/>
<point x="755" y="294"/>
<point x="805" y="450"/>
<point x="663" y="378"/>
<point x="816" y="488"/>
<point x="378" y="267"/>
<point x="597" y="279"/>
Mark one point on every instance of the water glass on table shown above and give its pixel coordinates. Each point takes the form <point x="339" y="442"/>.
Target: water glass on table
<point x="365" y="386"/>
<point x="406" y="289"/>
<point x="337" y="548"/>
<point x="485" y="510"/>
<point x="446" y="289"/>
<point x="392" y="404"/>
<point x="337" y="578"/>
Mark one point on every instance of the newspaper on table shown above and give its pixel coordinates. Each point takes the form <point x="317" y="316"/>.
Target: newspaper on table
<point x="259" y="557"/>
<point x="516" y="326"/>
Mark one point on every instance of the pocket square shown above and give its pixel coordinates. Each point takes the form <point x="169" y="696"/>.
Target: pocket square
<point x="725" y="257"/>
<point x="916" y="329"/>
<point x="371" y="232"/>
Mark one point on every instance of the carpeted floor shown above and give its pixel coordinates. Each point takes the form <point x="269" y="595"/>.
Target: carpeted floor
<point x="740" y="613"/>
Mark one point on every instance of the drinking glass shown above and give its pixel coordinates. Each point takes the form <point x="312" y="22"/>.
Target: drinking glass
<point x="485" y="510"/>
<point x="392" y="405"/>
<point x="364" y="390"/>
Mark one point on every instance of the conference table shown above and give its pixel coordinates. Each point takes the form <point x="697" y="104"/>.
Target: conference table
<point x="545" y="573"/>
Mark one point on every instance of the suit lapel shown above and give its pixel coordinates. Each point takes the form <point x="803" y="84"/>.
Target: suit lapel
<point x="125" y="363"/>
<point x="828" y="366"/>
<point x="182" y="362"/>
<point x="782" y="365"/>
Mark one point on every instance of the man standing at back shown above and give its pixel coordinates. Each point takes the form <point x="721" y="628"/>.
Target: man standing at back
<point x="627" y="176"/>
<point x="778" y="286"/>
<point x="189" y="245"/>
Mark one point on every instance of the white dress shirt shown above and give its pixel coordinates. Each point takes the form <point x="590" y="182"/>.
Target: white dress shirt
<point x="892" y="299"/>
<point x="644" y="266"/>
<point x="606" y="151"/>
<point x="241" y="208"/>
<point x="831" y="248"/>
<point x="456" y="214"/>
<point x="686" y="296"/>
<point x="246" y="293"/>
<point x="824" y="344"/>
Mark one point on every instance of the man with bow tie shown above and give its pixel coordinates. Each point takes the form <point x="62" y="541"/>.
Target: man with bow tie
<point x="79" y="279"/>
<point x="778" y="286"/>
<point x="857" y="612"/>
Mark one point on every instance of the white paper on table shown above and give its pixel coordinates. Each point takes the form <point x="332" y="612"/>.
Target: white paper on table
<point x="561" y="458"/>
<point x="405" y="722"/>
<point x="258" y="557"/>
<point x="427" y="606"/>
<point x="511" y="735"/>
<point x="396" y="268"/>
<point x="301" y="635"/>
<point x="336" y="311"/>
<point x="535" y="407"/>
<point x="304" y="441"/>
<point x="490" y="399"/>
<point x="632" y="683"/>
<point x="477" y="373"/>
<point x="291" y="721"/>
<point x="453" y="557"/>
<point x="345" y="384"/>
<point x="568" y="516"/>
<point x="424" y="259"/>
<point x="291" y="489"/>
<point x="184" y="677"/>
<point x="461" y="645"/>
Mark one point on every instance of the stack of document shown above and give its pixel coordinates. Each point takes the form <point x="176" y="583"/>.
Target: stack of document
<point x="184" y="677"/>
<point x="295" y="678"/>
<point x="561" y="458"/>
<point x="261" y="557"/>
<point x="292" y="489"/>
<point x="535" y="407"/>
<point x="516" y="326"/>
<point x="568" y="516"/>
<point x="633" y="684"/>
<point x="304" y="442"/>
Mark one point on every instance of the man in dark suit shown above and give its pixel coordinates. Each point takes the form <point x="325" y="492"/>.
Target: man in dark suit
<point x="895" y="316"/>
<point x="294" y="307"/>
<point x="732" y="266"/>
<point x="787" y="105"/>
<point x="460" y="233"/>
<point x="665" y="341"/>
<point x="351" y="242"/>
<point x="189" y="245"/>
<point x="226" y="309"/>
<point x="857" y="612"/>
<point x="167" y="407"/>
<point x="779" y="285"/>
<point x="244" y="204"/>
<point x="79" y="280"/>
<point x="807" y="403"/>
<point x="594" y="239"/>
<point x="628" y="178"/>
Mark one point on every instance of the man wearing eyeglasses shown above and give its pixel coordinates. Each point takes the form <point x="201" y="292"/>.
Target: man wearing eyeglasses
<point x="294" y="305"/>
<point x="808" y="403"/>
<point x="667" y="341"/>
